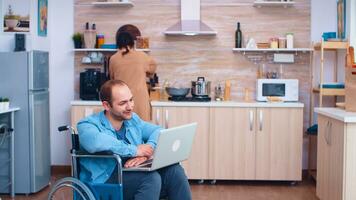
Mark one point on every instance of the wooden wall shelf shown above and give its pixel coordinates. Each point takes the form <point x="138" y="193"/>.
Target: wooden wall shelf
<point x="331" y="92"/>
<point x="244" y="50"/>
<point x="285" y="4"/>
<point x="110" y="4"/>
<point x="327" y="45"/>
<point x="106" y="50"/>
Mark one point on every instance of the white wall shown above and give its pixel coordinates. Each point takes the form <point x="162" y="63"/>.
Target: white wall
<point x="352" y="22"/>
<point x="61" y="76"/>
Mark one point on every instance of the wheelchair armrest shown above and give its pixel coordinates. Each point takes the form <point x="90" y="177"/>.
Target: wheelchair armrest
<point x="104" y="154"/>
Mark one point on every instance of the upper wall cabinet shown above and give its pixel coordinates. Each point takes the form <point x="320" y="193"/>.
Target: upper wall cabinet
<point x="113" y="3"/>
<point x="275" y="3"/>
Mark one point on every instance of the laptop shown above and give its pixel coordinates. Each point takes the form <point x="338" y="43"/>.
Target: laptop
<point x="174" y="145"/>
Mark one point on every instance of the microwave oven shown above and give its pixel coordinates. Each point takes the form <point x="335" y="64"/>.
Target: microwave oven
<point x="285" y="89"/>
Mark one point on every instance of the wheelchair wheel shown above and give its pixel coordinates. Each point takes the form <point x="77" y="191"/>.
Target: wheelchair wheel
<point x="70" y="188"/>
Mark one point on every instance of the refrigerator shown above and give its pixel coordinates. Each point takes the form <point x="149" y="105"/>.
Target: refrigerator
<point x="24" y="78"/>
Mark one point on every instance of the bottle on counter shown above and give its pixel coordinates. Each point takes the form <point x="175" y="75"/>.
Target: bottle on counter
<point x="227" y="90"/>
<point x="238" y="36"/>
<point x="290" y="41"/>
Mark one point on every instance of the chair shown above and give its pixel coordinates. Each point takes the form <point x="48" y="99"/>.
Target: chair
<point x="85" y="190"/>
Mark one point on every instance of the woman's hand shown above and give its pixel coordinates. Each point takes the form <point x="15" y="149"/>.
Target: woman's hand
<point x="135" y="161"/>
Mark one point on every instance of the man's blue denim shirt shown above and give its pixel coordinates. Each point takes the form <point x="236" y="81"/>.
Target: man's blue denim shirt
<point x="96" y="134"/>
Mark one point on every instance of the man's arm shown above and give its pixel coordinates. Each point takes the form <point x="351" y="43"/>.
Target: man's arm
<point x="93" y="140"/>
<point x="150" y="133"/>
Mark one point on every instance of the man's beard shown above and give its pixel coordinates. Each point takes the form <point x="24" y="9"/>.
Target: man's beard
<point x="121" y="117"/>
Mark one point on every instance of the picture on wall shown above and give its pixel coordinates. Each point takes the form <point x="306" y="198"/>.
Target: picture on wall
<point x="16" y="17"/>
<point x="341" y="17"/>
<point x="42" y="17"/>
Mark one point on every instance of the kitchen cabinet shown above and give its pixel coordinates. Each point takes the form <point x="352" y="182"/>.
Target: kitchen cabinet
<point x="258" y="143"/>
<point x="336" y="159"/>
<point x="196" y="167"/>
<point x="330" y="158"/>
<point x="241" y="143"/>
<point x="336" y="174"/>
<point x="279" y="135"/>
<point x="78" y="112"/>
<point x="232" y="143"/>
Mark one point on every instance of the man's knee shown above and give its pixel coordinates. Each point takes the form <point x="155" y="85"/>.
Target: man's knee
<point x="175" y="171"/>
<point x="153" y="180"/>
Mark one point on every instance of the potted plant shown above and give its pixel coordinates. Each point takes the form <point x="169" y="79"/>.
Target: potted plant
<point x="4" y="103"/>
<point x="11" y="20"/>
<point x="78" y="40"/>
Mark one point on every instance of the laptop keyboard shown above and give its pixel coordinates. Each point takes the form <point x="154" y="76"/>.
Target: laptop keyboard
<point x="146" y="164"/>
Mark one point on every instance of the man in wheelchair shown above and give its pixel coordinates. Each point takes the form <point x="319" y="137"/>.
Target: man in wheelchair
<point x="118" y="130"/>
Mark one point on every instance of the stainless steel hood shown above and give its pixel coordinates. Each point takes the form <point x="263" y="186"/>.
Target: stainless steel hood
<point x="190" y="23"/>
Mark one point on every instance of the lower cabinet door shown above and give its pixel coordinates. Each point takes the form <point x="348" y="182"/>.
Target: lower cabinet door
<point x="279" y="138"/>
<point x="336" y="159"/>
<point x="196" y="167"/>
<point x="232" y="143"/>
<point x="322" y="158"/>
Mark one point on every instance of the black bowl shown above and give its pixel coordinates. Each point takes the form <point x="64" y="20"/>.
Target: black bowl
<point x="171" y="91"/>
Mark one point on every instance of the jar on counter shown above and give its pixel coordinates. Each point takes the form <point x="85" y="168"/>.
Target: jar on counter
<point x="274" y="43"/>
<point x="100" y="40"/>
<point x="282" y="42"/>
<point x="290" y="40"/>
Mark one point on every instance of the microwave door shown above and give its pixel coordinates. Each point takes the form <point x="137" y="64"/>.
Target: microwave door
<point x="274" y="89"/>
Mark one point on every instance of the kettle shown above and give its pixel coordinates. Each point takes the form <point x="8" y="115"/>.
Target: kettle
<point x="200" y="87"/>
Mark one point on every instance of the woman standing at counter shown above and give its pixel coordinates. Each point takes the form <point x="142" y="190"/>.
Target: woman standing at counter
<point x="133" y="67"/>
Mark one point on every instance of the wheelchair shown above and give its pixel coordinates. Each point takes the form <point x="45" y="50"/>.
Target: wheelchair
<point x="74" y="188"/>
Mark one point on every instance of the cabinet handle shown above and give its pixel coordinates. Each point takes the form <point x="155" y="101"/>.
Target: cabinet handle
<point x="329" y="136"/>
<point x="157" y="116"/>
<point x="327" y="133"/>
<point x="251" y="120"/>
<point x="167" y="119"/>
<point x="261" y="120"/>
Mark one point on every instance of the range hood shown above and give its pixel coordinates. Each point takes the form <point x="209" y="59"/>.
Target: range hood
<point x="190" y="23"/>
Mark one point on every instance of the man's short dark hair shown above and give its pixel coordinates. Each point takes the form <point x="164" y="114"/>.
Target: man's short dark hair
<point x="106" y="89"/>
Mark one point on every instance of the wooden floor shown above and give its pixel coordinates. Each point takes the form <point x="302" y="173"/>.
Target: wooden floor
<point x="226" y="190"/>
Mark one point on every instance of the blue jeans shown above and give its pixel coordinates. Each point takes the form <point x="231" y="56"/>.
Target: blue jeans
<point x="168" y="182"/>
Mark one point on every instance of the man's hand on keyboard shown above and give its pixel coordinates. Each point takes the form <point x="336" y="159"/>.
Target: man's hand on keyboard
<point x="135" y="161"/>
<point x="144" y="150"/>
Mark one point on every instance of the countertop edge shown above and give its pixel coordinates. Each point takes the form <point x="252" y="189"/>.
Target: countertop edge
<point x="9" y="110"/>
<point x="226" y="104"/>
<point x="338" y="114"/>
<point x="205" y="104"/>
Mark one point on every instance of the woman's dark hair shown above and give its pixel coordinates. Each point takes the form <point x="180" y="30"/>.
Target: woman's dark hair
<point x="124" y="40"/>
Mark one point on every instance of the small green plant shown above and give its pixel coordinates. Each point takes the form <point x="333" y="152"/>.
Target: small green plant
<point x="5" y="99"/>
<point x="77" y="37"/>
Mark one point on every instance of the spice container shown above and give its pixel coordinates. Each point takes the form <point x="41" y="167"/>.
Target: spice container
<point x="274" y="43"/>
<point x="290" y="40"/>
<point x="282" y="42"/>
<point x="100" y="40"/>
<point x="142" y="43"/>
